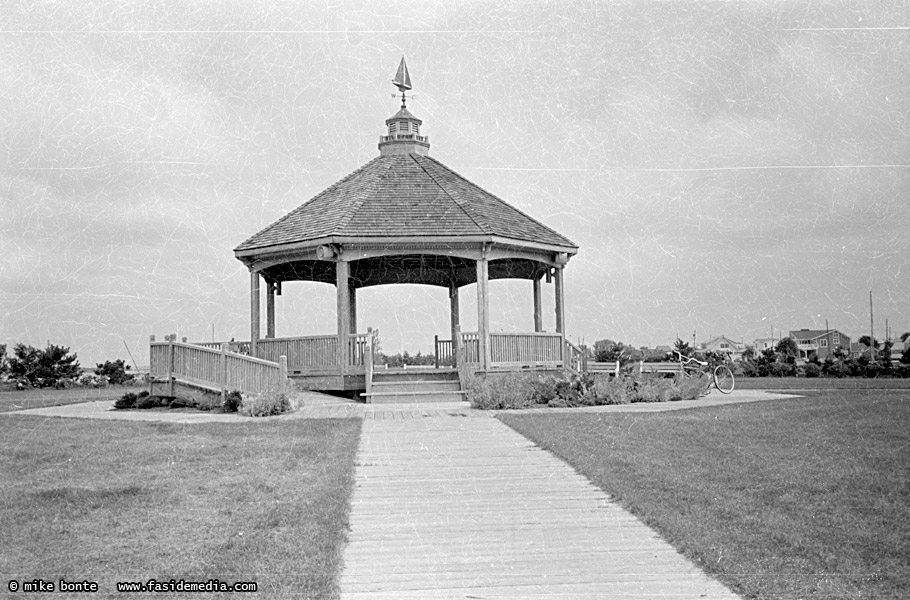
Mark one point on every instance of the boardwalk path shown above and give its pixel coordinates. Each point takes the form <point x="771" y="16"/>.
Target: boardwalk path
<point x="460" y="506"/>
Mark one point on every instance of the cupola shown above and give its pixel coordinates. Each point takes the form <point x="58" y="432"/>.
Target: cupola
<point x="403" y="133"/>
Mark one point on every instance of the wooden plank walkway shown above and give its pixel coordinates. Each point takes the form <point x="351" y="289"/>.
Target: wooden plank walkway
<point x="458" y="506"/>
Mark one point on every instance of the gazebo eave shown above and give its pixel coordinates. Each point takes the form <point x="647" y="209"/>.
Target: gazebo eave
<point x="357" y="247"/>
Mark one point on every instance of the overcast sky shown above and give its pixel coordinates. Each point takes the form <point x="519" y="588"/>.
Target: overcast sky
<point x="726" y="168"/>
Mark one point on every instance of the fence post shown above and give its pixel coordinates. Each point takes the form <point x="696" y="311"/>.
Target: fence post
<point x="283" y="372"/>
<point x="460" y="362"/>
<point x="170" y="364"/>
<point x="368" y="363"/>
<point x="436" y="350"/>
<point x="223" y="377"/>
<point x="151" y="377"/>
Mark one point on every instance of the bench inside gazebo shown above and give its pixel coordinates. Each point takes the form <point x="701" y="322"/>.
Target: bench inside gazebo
<point x="404" y="218"/>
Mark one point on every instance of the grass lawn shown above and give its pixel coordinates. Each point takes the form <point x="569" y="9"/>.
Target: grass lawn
<point x="821" y="383"/>
<point x="11" y="399"/>
<point x="130" y="501"/>
<point x="800" y="498"/>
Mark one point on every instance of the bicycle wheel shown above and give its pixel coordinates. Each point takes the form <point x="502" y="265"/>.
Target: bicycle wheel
<point x="723" y="379"/>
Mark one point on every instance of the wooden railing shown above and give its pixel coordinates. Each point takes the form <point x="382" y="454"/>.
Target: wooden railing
<point x="576" y="358"/>
<point x="530" y="349"/>
<point x="357" y="345"/>
<point x="215" y="370"/>
<point x="470" y="346"/>
<point x="444" y="352"/>
<point x="238" y="347"/>
<point x="311" y="353"/>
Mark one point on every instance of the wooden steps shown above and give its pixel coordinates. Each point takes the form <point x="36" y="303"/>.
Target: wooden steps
<point x="415" y="386"/>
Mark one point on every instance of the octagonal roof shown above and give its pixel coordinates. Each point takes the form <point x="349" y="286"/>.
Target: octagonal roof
<point x="404" y="196"/>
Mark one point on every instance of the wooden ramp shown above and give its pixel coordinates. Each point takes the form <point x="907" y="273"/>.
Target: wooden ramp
<point x="460" y="506"/>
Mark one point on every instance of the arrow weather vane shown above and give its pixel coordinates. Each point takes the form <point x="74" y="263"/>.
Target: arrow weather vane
<point x="402" y="80"/>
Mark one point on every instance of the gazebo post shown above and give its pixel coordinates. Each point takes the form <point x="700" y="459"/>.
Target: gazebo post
<point x="352" y="301"/>
<point x="538" y="318"/>
<point x="560" y="309"/>
<point x="343" y="311"/>
<point x="454" y="314"/>
<point x="269" y="309"/>
<point x="483" y="310"/>
<point x="254" y="312"/>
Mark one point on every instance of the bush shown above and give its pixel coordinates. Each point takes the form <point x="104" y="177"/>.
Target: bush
<point x="43" y="368"/>
<point x="232" y="402"/>
<point x="266" y="404"/>
<point x="613" y="390"/>
<point x="130" y="399"/>
<point x="511" y="390"/>
<point x="92" y="380"/>
<point x="115" y="371"/>
<point x="813" y="370"/>
<point x="153" y="401"/>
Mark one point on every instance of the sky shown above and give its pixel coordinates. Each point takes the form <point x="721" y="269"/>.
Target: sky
<point x="735" y="168"/>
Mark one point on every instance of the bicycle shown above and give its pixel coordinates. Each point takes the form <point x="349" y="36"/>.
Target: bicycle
<point x="721" y="375"/>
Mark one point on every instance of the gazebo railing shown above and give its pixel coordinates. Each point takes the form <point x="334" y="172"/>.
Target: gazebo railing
<point x="470" y="345"/>
<point x="309" y="353"/>
<point x="532" y="349"/>
<point x="216" y="370"/>
<point x="444" y="352"/>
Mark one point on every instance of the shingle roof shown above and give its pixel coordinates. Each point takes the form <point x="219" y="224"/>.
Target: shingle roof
<point x="404" y="196"/>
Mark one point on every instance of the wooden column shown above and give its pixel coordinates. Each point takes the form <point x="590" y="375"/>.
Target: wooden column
<point x="254" y="312"/>
<point x="538" y="317"/>
<point x="560" y="301"/>
<point x="454" y="317"/>
<point x="352" y="299"/>
<point x="343" y="311"/>
<point x="269" y="309"/>
<point x="483" y="310"/>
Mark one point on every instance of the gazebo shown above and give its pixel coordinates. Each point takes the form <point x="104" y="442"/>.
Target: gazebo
<point x="404" y="217"/>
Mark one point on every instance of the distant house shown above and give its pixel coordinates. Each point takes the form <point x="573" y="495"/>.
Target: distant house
<point x="723" y="345"/>
<point x="897" y="350"/>
<point x="821" y="341"/>
<point x="761" y="344"/>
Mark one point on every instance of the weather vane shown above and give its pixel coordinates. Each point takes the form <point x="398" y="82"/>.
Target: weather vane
<point x="402" y="80"/>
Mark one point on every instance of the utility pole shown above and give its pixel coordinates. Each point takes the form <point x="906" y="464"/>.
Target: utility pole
<point x="871" y="330"/>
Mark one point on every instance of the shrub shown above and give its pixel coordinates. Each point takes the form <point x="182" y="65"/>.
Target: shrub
<point x="4" y="363"/>
<point x="511" y="390"/>
<point x="127" y="400"/>
<point x="43" y="368"/>
<point x="148" y="401"/>
<point x="813" y="370"/>
<point x="92" y="380"/>
<point x="609" y="390"/>
<point x="266" y="404"/>
<point x="652" y="388"/>
<point x="115" y="371"/>
<point x="691" y="388"/>
<point x="232" y="402"/>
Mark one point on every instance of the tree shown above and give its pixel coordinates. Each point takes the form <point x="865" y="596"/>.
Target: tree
<point x="864" y="340"/>
<point x="115" y="371"/>
<point x="44" y="368"/>
<point x="905" y="356"/>
<point x="787" y="350"/>
<point x="904" y="336"/>
<point x="4" y="364"/>
<point x="608" y="351"/>
<point x="683" y="348"/>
